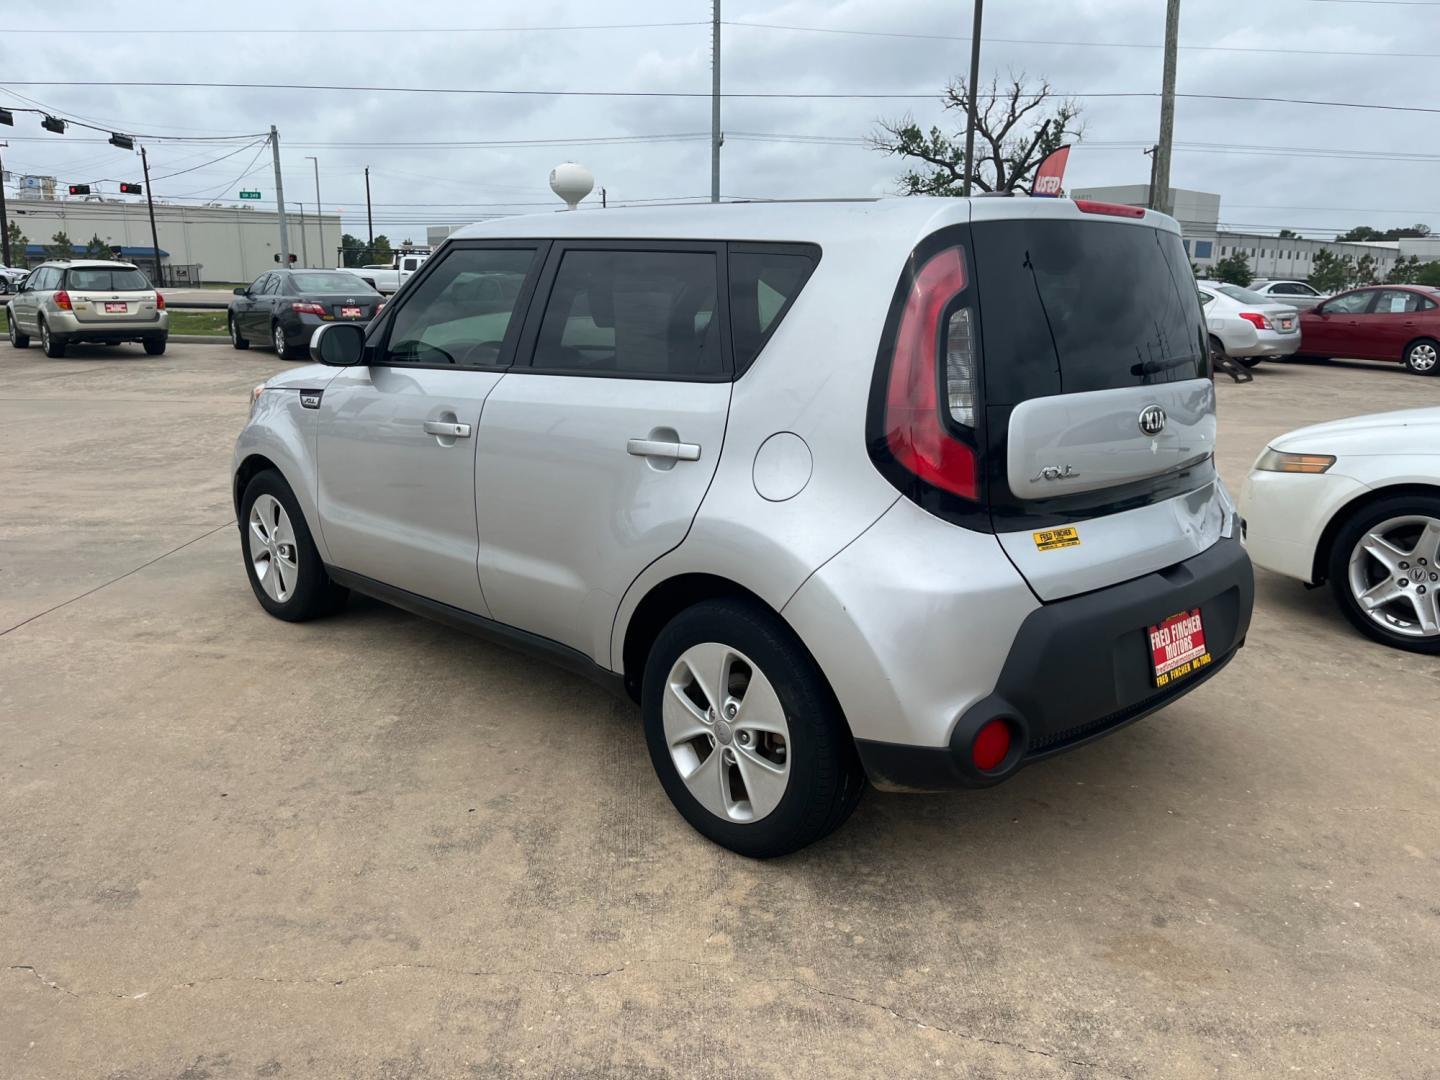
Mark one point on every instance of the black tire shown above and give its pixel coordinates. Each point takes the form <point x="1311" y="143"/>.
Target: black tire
<point x="1338" y="567"/>
<point x="314" y="594"/>
<point x="283" y="348"/>
<point x="235" y="339"/>
<point x="1248" y="361"/>
<point x="1422" y="357"/>
<point x="825" y="777"/>
<point x="155" y="346"/>
<point x="51" y="344"/>
<point x="17" y="339"/>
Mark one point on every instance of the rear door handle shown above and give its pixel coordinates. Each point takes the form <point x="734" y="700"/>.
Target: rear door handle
<point x="657" y="448"/>
<point x="453" y="431"/>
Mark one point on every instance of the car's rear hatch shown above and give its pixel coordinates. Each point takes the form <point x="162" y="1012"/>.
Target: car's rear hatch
<point x="1099" y="413"/>
<point x="107" y="296"/>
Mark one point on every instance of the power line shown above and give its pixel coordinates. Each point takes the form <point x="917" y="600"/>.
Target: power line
<point x="328" y="30"/>
<point x="70" y="120"/>
<point x="206" y="164"/>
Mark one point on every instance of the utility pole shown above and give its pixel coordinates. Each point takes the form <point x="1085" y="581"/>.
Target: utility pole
<point x="150" y="205"/>
<point x="1161" y="199"/>
<point x="319" y="208"/>
<point x="280" y="198"/>
<point x="304" y="243"/>
<point x="974" y="93"/>
<point x="714" y="100"/>
<point x="4" y="220"/>
<point x="369" y="221"/>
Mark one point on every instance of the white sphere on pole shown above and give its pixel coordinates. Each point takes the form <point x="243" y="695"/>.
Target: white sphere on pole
<point x="571" y="182"/>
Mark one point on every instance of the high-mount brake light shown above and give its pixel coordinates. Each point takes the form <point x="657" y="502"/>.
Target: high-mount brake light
<point x="1091" y="206"/>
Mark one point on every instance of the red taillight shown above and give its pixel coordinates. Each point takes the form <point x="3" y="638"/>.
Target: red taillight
<point x="302" y="307"/>
<point x="991" y="745"/>
<point x="379" y="307"/>
<point x="159" y="301"/>
<point x="1090" y="206"/>
<point x="914" y="429"/>
<point x="62" y="300"/>
<point x="1255" y="319"/>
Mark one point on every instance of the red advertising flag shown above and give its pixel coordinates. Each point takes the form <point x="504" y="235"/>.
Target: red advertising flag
<point x="1051" y="174"/>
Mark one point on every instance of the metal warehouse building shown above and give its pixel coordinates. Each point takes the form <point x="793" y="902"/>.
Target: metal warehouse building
<point x="197" y="243"/>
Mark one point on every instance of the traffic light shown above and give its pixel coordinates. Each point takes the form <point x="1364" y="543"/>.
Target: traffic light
<point x="7" y="117"/>
<point x="124" y="142"/>
<point x="79" y="189"/>
<point x="131" y="189"/>
<point x="292" y="256"/>
<point x="53" y="123"/>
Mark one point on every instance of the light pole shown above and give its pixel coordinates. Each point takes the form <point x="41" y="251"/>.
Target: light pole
<point x="319" y="209"/>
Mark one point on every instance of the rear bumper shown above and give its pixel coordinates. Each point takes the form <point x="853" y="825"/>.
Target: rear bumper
<point x="64" y="324"/>
<point x="1269" y="343"/>
<point x="1079" y="669"/>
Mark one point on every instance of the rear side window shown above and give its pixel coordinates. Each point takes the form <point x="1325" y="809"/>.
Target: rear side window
<point x="635" y="313"/>
<point x="1072" y="306"/>
<point x="764" y="282"/>
<point x="102" y="279"/>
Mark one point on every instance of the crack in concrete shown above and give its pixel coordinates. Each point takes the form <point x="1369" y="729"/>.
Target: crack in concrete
<point x="954" y="1033"/>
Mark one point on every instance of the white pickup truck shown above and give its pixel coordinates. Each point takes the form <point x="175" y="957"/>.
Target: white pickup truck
<point x="388" y="277"/>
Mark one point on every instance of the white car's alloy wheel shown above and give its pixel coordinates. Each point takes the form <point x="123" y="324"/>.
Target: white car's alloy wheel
<point x="1394" y="576"/>
<point x="272" y="548"/>
<point x="726" y="732"/>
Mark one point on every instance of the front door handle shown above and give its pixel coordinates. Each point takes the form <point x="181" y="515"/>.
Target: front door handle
<point x="448" y="430"/>
<point x="659" y="448"/>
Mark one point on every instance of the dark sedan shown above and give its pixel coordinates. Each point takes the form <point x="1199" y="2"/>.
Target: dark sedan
<point x="283" y="308"/>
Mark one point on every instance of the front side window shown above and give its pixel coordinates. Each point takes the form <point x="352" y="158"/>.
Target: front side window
<point x="1350" y="304"/>
<point x="462" y="311"/>
<point x="639" y="313"/>
<point x="258" y="285"/>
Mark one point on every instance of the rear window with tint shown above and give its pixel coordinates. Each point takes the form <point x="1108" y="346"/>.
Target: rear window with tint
<point x="763" y="285"/>
<point x="83" y="279"/>
<point x="328" y="283"/>
<point x="1072" y="306"/>
<point x="1245" y="296"/>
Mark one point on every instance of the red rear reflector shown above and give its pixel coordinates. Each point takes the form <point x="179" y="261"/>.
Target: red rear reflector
<point x="159" y="301"/>
<point x="1090" y="206"/>
<point x="992" y="743"/>
<point x="1255" y="319"/>
<point x="62" y="300"/>
<point x="913" y="429"/>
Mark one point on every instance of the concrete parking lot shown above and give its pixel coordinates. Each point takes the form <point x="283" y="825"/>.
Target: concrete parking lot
<point x="373" y="847"/>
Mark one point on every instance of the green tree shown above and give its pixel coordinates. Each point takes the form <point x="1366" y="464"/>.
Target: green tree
<point x="1364" y="272"/>
<point x="1016" y="128"/>
<point x="1234" y="269"/>
<point x="60" y="247"/>
<point x="1289" y="234"/>
<point x="17" y="244"/>
<point x="380" y="251"/>
<point x="351" y="251"/>
<point x="1366" y="232"/>
<point x="1329" y="273"/>
<point x="96" y="248"/>
<point x="1404" y="272"/>
<point x="1429" y="274"/>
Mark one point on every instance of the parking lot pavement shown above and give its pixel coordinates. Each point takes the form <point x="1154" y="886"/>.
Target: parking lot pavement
<point x="372" y="847"/>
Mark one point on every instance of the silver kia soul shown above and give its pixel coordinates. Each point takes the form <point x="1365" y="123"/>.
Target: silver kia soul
<point x="913" y="491"/>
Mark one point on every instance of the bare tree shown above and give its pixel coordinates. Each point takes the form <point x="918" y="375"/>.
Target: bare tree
<point x="1016" y="128"/>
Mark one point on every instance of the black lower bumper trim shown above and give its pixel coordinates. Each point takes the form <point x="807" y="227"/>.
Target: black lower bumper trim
<point x="1080" y="669"/>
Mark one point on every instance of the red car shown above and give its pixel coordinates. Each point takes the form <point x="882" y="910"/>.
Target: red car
<point x="1379" y="322"/>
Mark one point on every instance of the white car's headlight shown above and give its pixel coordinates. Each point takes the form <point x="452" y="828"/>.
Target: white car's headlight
<point x="255" y="396"/>
<point x="1279" y="461"/>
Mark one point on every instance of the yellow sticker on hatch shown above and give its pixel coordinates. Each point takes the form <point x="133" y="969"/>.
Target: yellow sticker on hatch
<point x="1051" y="539"/>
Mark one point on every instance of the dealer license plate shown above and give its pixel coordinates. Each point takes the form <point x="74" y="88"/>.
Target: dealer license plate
<point x="351" y="312"/>
<point x="120" y="307"/>
<point x="1177" y="647"/>
<point x="1287" y="324"/>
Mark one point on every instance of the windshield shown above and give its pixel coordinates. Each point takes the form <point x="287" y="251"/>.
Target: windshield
<point x="328" y="283"/>
<point x="1245" y="296"/>
<point x="1072" y="306"/>
<point x="105" y="279"/>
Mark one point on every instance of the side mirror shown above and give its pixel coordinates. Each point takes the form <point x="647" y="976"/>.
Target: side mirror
<point x="338" y="344"/>
<point x="241" y="290"/>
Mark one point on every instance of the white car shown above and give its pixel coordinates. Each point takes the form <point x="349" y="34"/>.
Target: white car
<point x="11" y="277"/>
<point x="1357" y="503"/>
<point x="1246" y="326"/>
<point x="1299" y="294"/>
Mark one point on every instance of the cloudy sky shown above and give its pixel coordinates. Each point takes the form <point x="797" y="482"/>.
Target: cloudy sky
<point x="1316" y="169"/>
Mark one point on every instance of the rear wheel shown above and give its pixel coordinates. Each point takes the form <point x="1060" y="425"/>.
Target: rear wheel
<point x="17" y="339"/>
<point x="235" y="337"/>
<point x="1422" y="357"/>
<point x="1385" y="571"/>
<point x="284" y="567"/>
<point x="1248" y="361"/>
<point x="744" y="733"/>
<point x="154" y="346"/>
<point x="282" y="347"/>
<point x="51" y="344"/>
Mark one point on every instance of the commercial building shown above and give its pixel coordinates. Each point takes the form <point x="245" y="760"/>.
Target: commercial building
<point x="197" y="243"/>
<point x="1270" y="256"/>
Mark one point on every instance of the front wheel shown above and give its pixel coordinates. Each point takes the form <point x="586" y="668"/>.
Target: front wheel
<point x="1385" y="572"/>
<point x="17" y="339"/>
<point x="1422" y="357"/>
<point x="744" y="732"/>
<point x="284" y="567"/>
<point x="236" y="338"/>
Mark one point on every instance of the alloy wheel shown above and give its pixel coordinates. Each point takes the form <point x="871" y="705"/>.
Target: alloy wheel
<point x="726" y="732"/>
<point x="234" y="333"/>
<point x="272" y="548"/>
<point x="1394" y="576"/>
<point x="279" y="339"/>
<point x="44" y="335"/>
<point x="1423" y="357"/>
